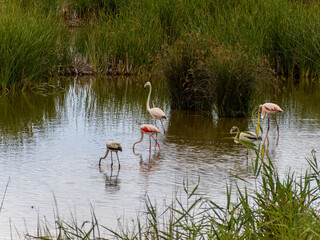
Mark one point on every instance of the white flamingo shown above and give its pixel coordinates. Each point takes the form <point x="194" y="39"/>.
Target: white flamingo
<point x="150" y="130"/>
<point x="270" y="108"/>
<point x="155" y="112"/>
<point x="246" y="136"/>
<point x="112" y="146"/>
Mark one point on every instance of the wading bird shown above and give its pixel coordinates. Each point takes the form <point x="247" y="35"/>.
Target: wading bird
<point x="270" y="108"/>
<point x="155" y="112"/>
<point x="246" y="136"/>
<point x="150" y="130"/>
<point x="112" y="146"/>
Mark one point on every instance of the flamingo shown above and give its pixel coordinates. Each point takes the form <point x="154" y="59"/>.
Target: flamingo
<point x="246" y="136"/>
<point x="155" y="112"/>
<point x="112" y="146"/>
<point x="270" y="108"/>
<point x="150" y="130"/>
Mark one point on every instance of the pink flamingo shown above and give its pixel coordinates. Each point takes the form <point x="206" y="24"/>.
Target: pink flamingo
<point x="112" y="146"/>
<point x="150" y="130"/>
<point x="270" y="108"/>
<point x="155" y="112"/>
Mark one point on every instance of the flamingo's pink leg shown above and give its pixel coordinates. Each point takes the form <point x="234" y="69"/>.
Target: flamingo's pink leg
<point x="155" y="123"/>
<point x="150" y="143"/>
<point x="164" y="131"/>
<point x="156" y="143"/>
<point x="111" y="160"/>
<point x="268" y="129"/>
<point x="277" y="128"/>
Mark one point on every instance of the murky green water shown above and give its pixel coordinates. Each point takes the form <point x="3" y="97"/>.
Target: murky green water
<point x="50" y="148"/>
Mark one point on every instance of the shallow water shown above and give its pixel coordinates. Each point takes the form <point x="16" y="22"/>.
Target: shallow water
<point x="50" y="148"/>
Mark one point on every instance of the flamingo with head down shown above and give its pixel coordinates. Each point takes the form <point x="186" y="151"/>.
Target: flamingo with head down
<point x="270" y="109"/>
<point x="112" y="146"/>
<point x="149" y="130"/>
<point x="246" y="136"/>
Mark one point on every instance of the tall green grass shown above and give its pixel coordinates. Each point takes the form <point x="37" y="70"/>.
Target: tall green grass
<point x="203" y="74"/>
<point x="187" y="78"/>
<point x="32" y="46"/>
<point x="121" y="36"/>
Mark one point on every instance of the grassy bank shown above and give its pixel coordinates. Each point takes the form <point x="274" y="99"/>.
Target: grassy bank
<point x="134" y="32"/>
<point x="267" y="42"/>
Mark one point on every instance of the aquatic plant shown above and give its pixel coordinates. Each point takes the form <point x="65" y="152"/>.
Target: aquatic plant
<point x="125" y="37"/>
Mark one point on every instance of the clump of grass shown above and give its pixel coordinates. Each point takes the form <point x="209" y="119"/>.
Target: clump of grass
<point x="126" y="42"/>
<point x="202" y="73"/>
<point x="186" y="77"/>
<point x="233" y="74"/>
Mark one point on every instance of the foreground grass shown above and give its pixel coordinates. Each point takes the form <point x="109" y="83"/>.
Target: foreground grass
<point x="285" y="207"/>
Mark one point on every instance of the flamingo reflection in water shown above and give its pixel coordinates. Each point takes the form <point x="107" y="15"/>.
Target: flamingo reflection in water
<point x="111" y="180"/>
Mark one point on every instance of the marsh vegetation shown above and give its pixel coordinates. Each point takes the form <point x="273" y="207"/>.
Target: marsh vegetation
<point x="227" y="43"/>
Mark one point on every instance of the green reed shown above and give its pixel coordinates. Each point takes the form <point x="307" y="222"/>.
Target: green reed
<point x="278" y="208"/>
<point x="234" y="73"/>
<point x="32" y="46"/>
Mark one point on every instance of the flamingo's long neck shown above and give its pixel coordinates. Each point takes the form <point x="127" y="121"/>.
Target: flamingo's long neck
<point x="148" y="101"/>
<point x="106" y="154"/>
<point x="103" y="157"/>
<point x="238" y="133"/>
<point x="138" y="140"/>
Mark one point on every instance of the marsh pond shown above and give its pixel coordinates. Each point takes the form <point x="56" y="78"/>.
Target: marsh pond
<point x="51" y="144"/>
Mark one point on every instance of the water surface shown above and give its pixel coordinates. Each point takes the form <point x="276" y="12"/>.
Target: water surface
<point x="50" y="148"/>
